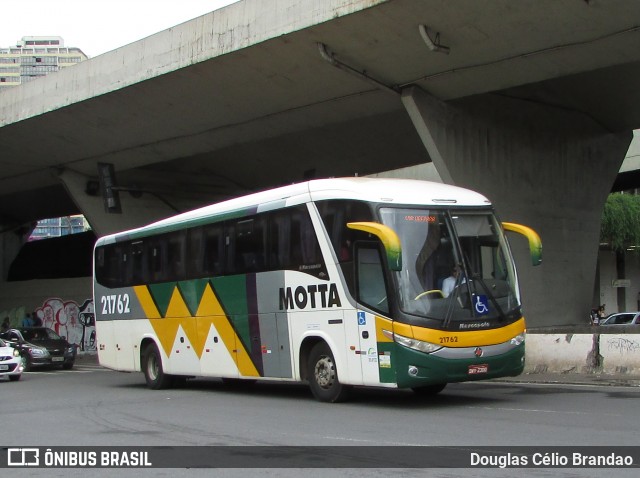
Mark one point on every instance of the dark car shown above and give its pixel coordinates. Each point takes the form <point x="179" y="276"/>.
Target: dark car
<point x="41" y="346"/>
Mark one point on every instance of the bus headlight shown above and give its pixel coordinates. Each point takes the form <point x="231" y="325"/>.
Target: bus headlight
<point x="415" y="344"/>
<point x="518" y="339"/>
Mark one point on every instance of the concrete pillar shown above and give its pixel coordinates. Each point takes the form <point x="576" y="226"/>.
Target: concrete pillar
<point x="136" y="211"/>
<point x="543" y="167"/>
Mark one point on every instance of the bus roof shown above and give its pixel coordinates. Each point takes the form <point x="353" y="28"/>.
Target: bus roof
<point x="378" y="190"/>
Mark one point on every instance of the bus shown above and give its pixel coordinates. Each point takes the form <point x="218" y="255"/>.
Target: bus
<point x="339" y="283"/>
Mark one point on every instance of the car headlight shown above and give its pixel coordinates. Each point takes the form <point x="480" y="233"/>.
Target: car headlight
<point x="16" y="353"/>
<point x="415" y="344"/>
<point x="518" y="339"/>
<point x="71" y="349"/>
<point x="37" y="352"/>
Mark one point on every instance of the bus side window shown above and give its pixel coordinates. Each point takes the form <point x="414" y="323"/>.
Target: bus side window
<point x="279" y="240"/>
<point x="100" y="266"/>
<point x="174" y="268"/>
<point x="125" y="275"/>
<point x="305" y="236"/>
<point x="154" y="259"/>
<point x="139" y="274"/>
<point x="371" y="285"/>
<point x="305" y="249"/>
<point x="213" y="256"/>
<point x="293" y="244"/>
<point x="114" y="265"/>
<point x="195" y="252"/>
<point x="249" y="245"/>
<point x="335" y="216"/>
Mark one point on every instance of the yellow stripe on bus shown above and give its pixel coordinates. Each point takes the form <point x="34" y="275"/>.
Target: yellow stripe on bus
<point x="383" y="324"/>
<point x="470" y="338"/>
<point x="212" y="313"/>
<point x="146" y="302"/>
<point x="166" y="331"/>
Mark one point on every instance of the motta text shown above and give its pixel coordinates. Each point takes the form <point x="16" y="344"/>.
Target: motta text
<point x="311" y="296"/>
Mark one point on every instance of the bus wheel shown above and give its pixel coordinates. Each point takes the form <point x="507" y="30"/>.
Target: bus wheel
<point x="323" y="375"/>
<point x="428" y="390"/>
<point x="152" y="368"/>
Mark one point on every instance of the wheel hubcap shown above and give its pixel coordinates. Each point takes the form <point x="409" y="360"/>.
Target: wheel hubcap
<point x="324" y="372"/>
<point x="152" y="367"/>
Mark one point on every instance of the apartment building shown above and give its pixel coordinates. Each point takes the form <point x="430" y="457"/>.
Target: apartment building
<point x="35" y="56"/>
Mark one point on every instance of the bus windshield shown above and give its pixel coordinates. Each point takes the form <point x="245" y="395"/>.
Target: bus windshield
<point x="456" y="264"/>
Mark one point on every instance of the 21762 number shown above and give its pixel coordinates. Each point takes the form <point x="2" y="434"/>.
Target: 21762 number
<point x="115" y="304"/>
<point x="448" y="340"/>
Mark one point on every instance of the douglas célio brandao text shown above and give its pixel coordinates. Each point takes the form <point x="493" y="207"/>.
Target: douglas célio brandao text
<point x="552" y="459"/>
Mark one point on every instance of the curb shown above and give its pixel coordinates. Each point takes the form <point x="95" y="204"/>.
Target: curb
<point x="597" y="379"/>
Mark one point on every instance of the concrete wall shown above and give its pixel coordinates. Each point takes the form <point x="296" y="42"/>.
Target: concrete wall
<point x="64" y="305"/>
<point x="609" y="350"/>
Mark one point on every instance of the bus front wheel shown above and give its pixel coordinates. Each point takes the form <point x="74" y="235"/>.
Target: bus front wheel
<point x="152" y="368"/>
<point x="323" y="375"/>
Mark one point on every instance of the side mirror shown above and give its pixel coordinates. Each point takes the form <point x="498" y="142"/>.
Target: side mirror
<point x="389" y="238"/>
<point x="535" y="243"/>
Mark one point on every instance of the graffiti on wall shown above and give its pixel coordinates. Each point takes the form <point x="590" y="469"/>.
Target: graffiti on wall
<point x="623" y="345"/>
<point x="69" y="319"/>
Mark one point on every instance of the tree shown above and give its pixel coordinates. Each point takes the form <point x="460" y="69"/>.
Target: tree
<point x="620" y="229"/>
<point x="621" y="221"/>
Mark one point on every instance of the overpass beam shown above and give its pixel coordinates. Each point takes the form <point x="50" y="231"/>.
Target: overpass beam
<point x="137" y="211"/>
<point x="541" y="166"/>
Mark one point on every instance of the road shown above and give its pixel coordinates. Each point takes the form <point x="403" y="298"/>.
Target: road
<point x="92" y="406"/>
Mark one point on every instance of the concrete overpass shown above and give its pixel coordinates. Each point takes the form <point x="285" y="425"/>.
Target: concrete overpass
<point x="530" y="102"/>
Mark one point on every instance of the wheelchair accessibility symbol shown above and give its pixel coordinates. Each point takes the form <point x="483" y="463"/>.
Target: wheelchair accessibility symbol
<point x="481" y="304"/>
<point x="362" y="319"/>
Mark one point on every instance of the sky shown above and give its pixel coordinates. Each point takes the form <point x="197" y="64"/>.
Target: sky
<point x="96" y="26"/>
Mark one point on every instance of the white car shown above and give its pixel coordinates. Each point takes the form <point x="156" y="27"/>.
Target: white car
<point x="11" y="363"/>
<point x="622" y="318"/>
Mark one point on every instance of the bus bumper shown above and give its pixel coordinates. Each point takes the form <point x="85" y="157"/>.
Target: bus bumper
<point x="416" y="369"/>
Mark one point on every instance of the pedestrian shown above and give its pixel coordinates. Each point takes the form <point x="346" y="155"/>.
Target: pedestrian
<point x="6" y="325"/>
<point x="27" y="321"/>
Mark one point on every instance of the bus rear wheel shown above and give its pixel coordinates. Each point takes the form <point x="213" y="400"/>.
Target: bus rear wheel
<point x="152" y="368"/>
<point x="323" y="375"/>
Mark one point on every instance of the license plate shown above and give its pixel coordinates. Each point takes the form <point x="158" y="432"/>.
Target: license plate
<point x="478" y="369"/>
<point x="4" y="367"/>
<point x="57" y="359"/>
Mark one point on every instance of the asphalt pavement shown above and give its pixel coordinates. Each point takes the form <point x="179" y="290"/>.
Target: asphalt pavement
<point x="613" y="380"/>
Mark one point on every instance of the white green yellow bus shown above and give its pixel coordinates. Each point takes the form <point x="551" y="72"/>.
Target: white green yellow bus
<point x="334" y="282"/>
